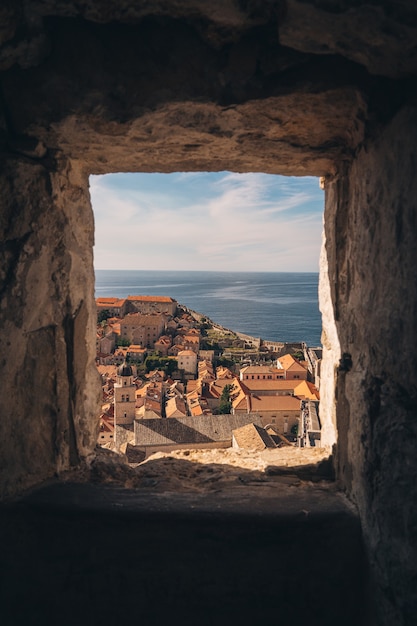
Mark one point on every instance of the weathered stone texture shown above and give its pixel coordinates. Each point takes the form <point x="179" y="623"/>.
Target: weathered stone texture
<point x="323" y="87"/>
<point x="375" y="301"/>
<point x="49" y="380"/>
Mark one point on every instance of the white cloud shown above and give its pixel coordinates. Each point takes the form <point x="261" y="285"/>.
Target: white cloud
<point x="231" y="222"/>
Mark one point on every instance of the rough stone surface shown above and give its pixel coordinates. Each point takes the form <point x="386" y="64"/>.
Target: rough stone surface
<point x="323" y="87"/>
<point x="374" y="285"/>
<point x="205" y="471"/>
<point x="49" y="379"/>
<point x="331" y="349"/>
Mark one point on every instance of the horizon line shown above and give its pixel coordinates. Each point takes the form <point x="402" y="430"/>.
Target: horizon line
<point x="102" y="269"/>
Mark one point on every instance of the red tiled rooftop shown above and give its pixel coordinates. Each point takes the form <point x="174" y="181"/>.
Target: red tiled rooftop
<point x="151" y="299"/>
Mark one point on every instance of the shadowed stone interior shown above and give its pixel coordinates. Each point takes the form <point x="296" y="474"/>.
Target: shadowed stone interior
<point x="325" y="88"/>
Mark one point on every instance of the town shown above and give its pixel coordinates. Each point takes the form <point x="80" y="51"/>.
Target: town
<point x="172" y="380"/>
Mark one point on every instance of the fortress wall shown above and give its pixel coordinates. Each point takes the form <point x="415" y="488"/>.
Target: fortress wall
<point x="371" y="233"/>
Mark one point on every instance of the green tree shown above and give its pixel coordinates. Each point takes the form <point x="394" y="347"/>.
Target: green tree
<point x="225" y="405"/>
<point x="103" y="315"/>
<point x="156" y="362"/>
<point x="224" y="362"/>
<point x="121" y="342"/>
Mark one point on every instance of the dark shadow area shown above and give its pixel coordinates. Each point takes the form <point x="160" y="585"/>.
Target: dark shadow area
<point x="283" y="552"/>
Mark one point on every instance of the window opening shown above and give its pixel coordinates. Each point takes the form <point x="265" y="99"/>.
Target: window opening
<point x="232" y="281"/>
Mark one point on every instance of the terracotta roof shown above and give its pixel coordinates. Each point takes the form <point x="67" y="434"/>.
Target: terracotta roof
<point x="217" y="386"/>
<point x="107" y="370"/>
<point x="186" y="353"/>
<point x="259" y="369"/>
<point x="150" y="299"/>
<point x="163" y="340"/>
<point x="175" y="405"/>
<point x="142" y="319"/>
<point x="224" y="372"/>
<point x="136" y="348"/>
<point x="106" y="424"/>
<point x="190" y="430"/>
<point x="275" y="403"/>
<point x="253" y="437"/>
<point x="110" y="302"/>
<point x="289" y="363"/>
<point x="307" y="390"/>
<point x="191" y="385"/>
<point x="270" y="385"/>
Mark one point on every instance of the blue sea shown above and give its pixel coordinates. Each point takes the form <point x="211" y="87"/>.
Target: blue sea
<point x="277" y="306"/>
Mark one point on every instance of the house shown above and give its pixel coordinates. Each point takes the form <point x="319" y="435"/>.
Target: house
<point x="205" y="371"/>
<point x="136" y="353"/>
<point x="142" y="329"/>
<point x="152" y="304"/>
<point x="283" y="412"/>
<point x="119" y="356"/>
<point x="306" y="391"/>
<point x="149" y="400"/>
<point x="191" y="342"/>
<point x="224" y="372"/>
<point x="106" y="430"/>
<point x="261" y="372"/>
<point x="103" y="358"/>
<point x="271" y="387"/>
<point x="187" y="361"/>
<point x="115" y="306"/>
<point x="200" y="432"/>
<point x="213" y="390"/>
<point x="173" y="350"/>
<point x="163" y="344"/>
<point x="206" y="355"/>
<point x="293" y="387"/>
<point x="107" y="343"/>
<point x="293" y="368"/>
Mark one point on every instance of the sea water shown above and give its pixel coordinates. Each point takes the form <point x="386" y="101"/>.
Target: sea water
<point x="277" y="306"/>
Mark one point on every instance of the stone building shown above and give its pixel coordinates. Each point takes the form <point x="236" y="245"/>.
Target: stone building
<point x="148" y="305"/>
<point x="325" y="89"/>
<point x="292" y="368"/>
<point x="114" y="306"/>
<point x="187" y="361"/>
<point x="143" y="330"/>
<point x="282" y="412"/>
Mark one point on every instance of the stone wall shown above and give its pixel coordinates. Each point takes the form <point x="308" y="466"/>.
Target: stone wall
<point x="49" y="381"/>
<point x="371" y="234"/>
<point x="295" y="87"/>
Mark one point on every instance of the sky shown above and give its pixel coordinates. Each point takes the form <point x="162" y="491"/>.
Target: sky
<point x="219" y="221"/>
